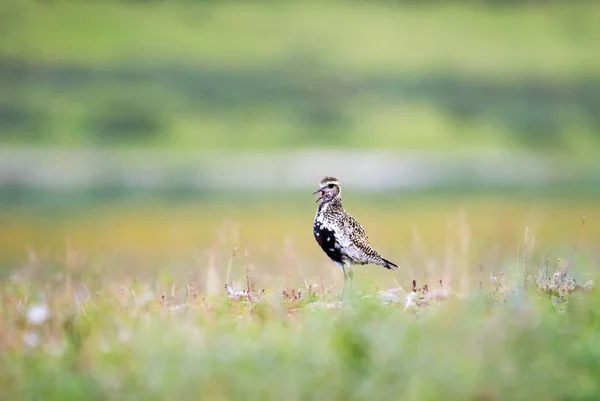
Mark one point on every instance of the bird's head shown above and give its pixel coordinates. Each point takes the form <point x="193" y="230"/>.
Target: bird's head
<point x="329" y="189"/>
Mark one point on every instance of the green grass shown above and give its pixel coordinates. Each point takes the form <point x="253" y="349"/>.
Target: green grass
<point x="126" y="339"/>
<point x="223" y="75"/>
<point x="138" y="308"/>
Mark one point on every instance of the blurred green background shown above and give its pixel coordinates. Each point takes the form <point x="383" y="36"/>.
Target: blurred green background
<point x="223" y="74"/>
<point x="143" y="126"/>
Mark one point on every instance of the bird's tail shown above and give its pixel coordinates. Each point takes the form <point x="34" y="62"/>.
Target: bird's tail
<point x="387" y="264"/>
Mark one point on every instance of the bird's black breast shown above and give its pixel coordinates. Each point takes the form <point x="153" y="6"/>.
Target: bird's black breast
<point x="326" y="240"/>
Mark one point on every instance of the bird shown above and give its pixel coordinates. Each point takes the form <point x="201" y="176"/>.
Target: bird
<point x="340" y="235"/>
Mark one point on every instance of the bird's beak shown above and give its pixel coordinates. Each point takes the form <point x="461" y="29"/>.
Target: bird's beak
<point x="320" y="190"/>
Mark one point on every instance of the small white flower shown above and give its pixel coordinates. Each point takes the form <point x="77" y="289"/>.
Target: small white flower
<point x="37" y="314"/>
<point x="392" y="295"/>
<point x="31" y="338"/>
<point x="124" y="335"/>
<point x="410" y="301"/>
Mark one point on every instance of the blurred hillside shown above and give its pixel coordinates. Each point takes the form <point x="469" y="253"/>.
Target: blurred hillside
<point x="200" y="76"/>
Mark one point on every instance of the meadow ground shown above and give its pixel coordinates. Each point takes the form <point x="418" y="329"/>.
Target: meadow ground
<point x="129" y="302"/>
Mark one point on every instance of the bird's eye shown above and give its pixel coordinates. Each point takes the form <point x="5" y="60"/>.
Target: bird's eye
<point x="330" y="186"/>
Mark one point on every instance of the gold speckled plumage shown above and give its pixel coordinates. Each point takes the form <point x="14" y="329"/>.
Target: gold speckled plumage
<point x="339" y="234"/>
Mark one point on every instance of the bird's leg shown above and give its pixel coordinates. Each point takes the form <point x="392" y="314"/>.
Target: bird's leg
<point x="345" y="281"/>
<point x="343" y="268"/>
<point x="350" y="276"/>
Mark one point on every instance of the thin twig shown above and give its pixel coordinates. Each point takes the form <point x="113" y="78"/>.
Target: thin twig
<point x="246" y="265"/>
<point x="568" y="266"/>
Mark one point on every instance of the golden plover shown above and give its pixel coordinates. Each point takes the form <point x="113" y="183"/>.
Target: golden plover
<point x="341" y="237"/>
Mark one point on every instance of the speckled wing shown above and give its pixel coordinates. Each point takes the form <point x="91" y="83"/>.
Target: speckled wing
<point x="359" y="249"/>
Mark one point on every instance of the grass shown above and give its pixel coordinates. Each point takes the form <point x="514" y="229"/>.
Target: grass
<point x="152" y="303"/>
<point x="414" y="230"/>
<point x="126" y="339"/>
